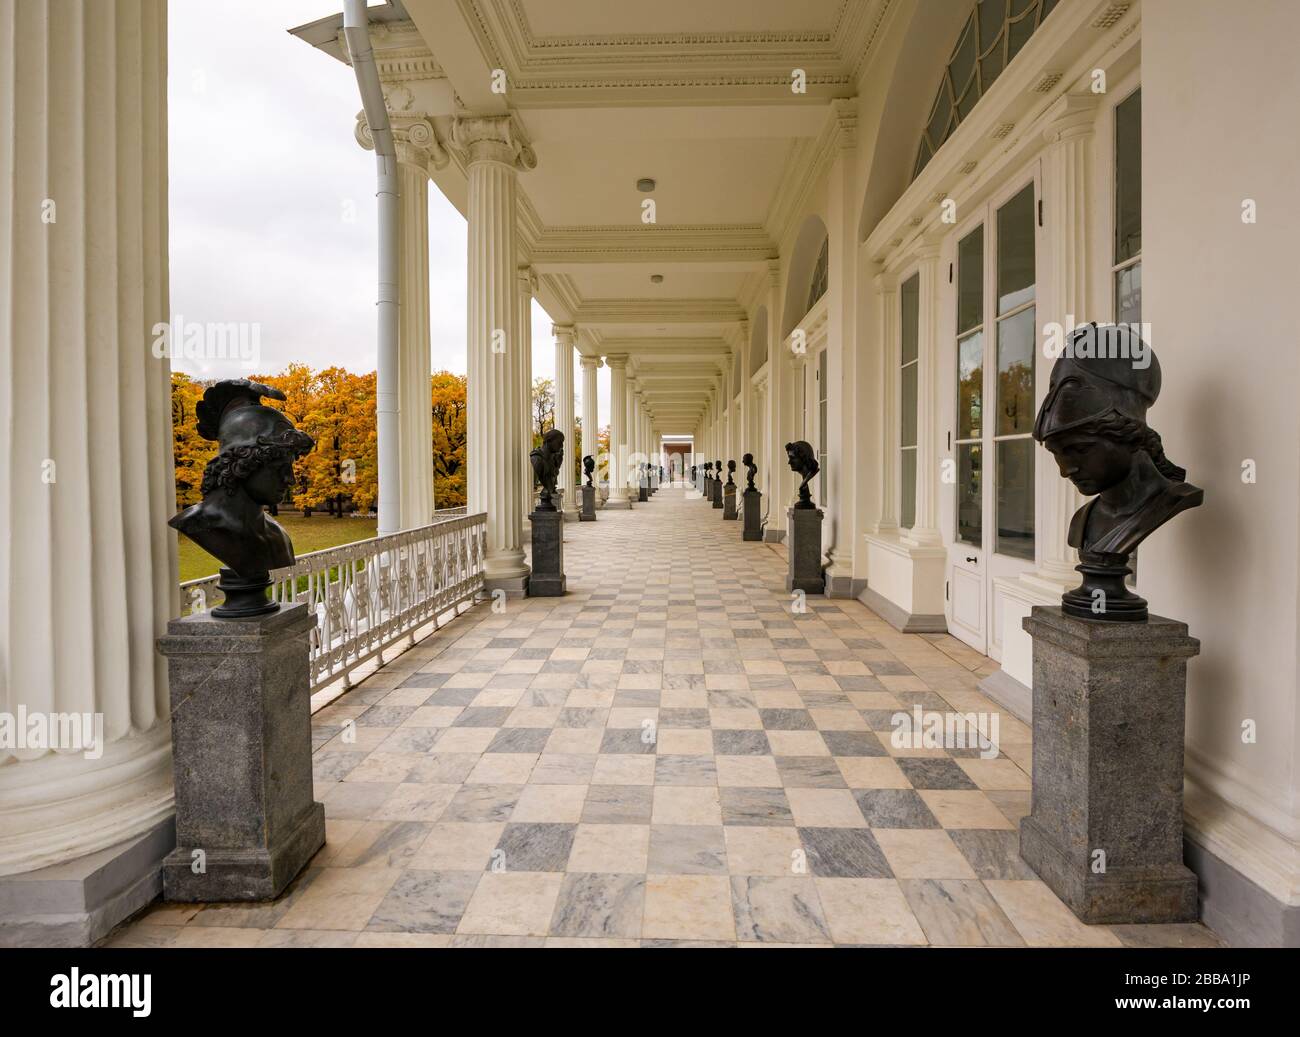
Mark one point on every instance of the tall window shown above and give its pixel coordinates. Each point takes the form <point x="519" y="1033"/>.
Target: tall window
<point x="970" y="387"/>
<point x="821" y="275"/>
<point x="1128" y="209"/>
<point x="1000" y="338"/>
<point x="993" y="34"/>
<point x="1015" y="373"/>
<point x="821" y="423"/>
<point x="910" y="294"/>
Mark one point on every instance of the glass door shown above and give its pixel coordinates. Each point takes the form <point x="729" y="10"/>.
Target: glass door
<point x="994" y="274"/>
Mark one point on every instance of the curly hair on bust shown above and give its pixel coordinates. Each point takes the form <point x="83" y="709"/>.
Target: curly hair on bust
<point x="1137" y="435"/>
<point x="231" y="468"/>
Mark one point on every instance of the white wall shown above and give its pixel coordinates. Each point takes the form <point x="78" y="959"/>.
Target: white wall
<point x="1220" y="96"/>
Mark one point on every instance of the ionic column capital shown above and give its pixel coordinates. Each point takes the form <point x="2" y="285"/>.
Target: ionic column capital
<point x="417" y="141"/>
<point x="564" y="333"/>
<point x="616" y="361"/>
<point x="492" y="138"/>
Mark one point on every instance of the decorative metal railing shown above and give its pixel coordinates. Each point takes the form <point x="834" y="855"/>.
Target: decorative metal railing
<point x="371" y="594"/>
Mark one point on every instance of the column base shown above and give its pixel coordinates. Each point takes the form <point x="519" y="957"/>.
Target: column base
<point x="513" y="586"/>
<point x="900" y="619"/>
<point x="77" y="903"/>
<point x="618" y="504"/>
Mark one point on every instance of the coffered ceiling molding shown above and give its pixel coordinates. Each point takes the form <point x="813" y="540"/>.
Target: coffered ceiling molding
<point x="743" y="245"/>
<point x="723" y="48"/>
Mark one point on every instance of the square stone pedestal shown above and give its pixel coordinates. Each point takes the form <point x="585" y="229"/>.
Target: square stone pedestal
<point x="588" y="512"/>
<point x="1106" y="829"/>
<point x="246" y="821"/>
<point x="753" y="512"/>
<point x="547" y="578"/>
<point x="716" y="498"/>
<point x="729" y="503"/>
<point x="642" y="494"/>
<point x="805" y="551"/>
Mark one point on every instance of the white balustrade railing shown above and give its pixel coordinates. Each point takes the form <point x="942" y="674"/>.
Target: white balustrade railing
<point x="370" y="594"/>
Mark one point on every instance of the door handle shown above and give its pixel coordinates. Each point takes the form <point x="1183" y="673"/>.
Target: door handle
<point x="972" y="559"/>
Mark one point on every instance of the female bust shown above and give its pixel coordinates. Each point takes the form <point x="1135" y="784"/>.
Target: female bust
<point x="1093" y="421"/>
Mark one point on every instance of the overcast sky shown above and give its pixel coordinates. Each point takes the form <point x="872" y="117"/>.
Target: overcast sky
<point x="264" y="170"/>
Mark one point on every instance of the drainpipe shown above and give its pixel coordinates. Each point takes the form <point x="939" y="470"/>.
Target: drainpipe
<point x="356" y="33"/>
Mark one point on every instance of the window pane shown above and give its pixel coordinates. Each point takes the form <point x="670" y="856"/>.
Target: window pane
<point x="970" y="386"/>
<point x="1128" y="294"/>
<point x="911" y="296"/>
<point x="907" y="491"/>
<point x="970" y="280"/>
<point x="1016" y="251"/>
<point x="937" y="128"/>
<point x="1016" y="373"/>
<point x="1016" y="498"/>
<point x="970" y="493"/>
<point x="1128" y="177"/>
<point x="963" y="60"/>
<point x="907" y="436"/>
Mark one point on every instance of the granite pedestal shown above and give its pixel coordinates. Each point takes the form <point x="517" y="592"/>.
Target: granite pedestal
<point x="1106" y="829"/>
<point x="246" y="820"/>
<point x="804" y="551"/>
<point x="717" y="494"/>
<point x="547" y="578"/>
<point x="753" y="512"/>
<point x="588" y="512"/>
<point x="642" y="492"/>
<point x="729" y="512"/>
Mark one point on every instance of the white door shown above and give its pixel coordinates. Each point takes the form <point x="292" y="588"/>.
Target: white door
<point x="994" y="279"/>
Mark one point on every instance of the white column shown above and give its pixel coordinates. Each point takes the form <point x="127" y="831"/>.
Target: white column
<point x="526" y="284"/>
<point x="564" y="335"/>
<point x="414" y="366"/>
<point x="774" y="454"/>
<point x="87" y="563"/>
<point x="492" y="158"/>
<point x="926" y="529"/>
<point x="590" y="412"/>
<point x="617" y="432"/>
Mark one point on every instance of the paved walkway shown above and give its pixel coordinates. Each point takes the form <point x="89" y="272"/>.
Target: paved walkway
<point x="667" y="754"/>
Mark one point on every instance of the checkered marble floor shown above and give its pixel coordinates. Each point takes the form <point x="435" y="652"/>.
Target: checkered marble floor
<point x="670" y="754"/>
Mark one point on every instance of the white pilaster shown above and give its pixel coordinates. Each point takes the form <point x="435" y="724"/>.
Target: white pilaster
<point x="564" y="336"/>
<point x="926" y="528"/>
<point x="775" y="466"/>
<point x="87" y="565"/>
<point x="493" y="156"/>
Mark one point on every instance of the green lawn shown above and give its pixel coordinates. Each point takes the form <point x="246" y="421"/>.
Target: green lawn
<point x="308" y="534"/>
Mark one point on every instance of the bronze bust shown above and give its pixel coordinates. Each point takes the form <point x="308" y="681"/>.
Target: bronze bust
<point x="731" y="471"/>
<point x="1093" y="420"/>
<point x="252" y="470"/>
<point x="751" y="470"/>
<point x="803" y="462"/>
<point x="589" y="467"/>
<point x="547" y="460"/>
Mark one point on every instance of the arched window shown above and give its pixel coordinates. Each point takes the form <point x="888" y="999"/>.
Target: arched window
<point x="994" y="33"/>
<point x="821" y="275"/>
